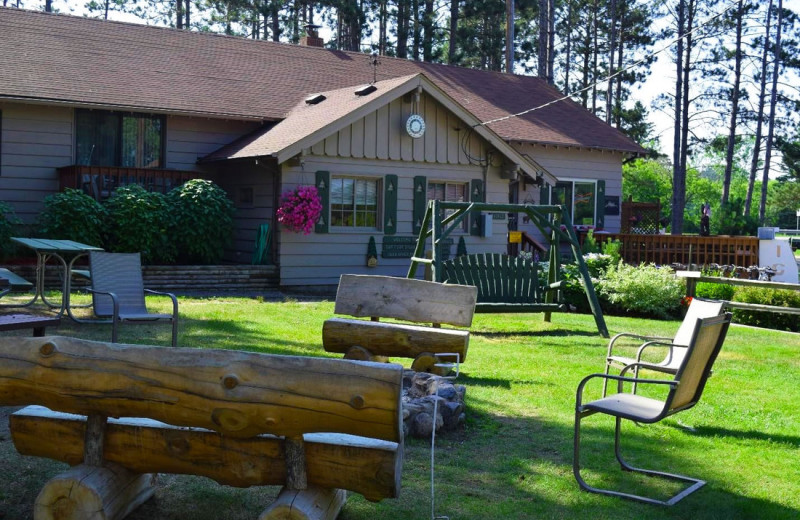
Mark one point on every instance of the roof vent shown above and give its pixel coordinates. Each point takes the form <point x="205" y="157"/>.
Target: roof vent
<point x="366" y="90"/>
<point x="315" y="99"/>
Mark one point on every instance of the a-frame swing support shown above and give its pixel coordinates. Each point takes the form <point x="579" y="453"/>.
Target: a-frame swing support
<point x="548" y="219"/>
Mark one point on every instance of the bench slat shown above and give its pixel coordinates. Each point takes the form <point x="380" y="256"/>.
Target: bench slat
<point x="392" y="339"/>
<point x="239" y="394"/>
<point x="419" y="301"/>
<point x="367" y="466"/>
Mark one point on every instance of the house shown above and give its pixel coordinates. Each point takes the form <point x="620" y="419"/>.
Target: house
<point x="260" y="118"/>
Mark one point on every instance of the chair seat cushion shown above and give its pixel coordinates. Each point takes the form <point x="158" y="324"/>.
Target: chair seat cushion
<point x="628" y="406"/>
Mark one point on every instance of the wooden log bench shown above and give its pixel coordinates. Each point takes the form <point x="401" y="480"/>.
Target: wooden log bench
<point x="120" y="414"/>
<point x="505" y="283"/>
<point x="417" y="301"/>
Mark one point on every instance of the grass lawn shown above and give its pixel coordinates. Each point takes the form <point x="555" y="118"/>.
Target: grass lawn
<point x="514" y="457"/>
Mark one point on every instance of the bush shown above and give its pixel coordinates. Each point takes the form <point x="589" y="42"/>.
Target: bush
<point x="613" y="249"/>
<point x="644" y="290"/>
<point x="137" y="222"/>
<point x="714" y="291"/>
<point x="769" y="320"/>
<point x="72" y="215"/>
<point x="8" y="223"/>
<point x="201" y="221"/>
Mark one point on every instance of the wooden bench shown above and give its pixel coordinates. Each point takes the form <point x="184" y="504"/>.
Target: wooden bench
<point x="28" y="321"/>
<point x="417" y="301"/>
<point x="122" y="413"/>
<point x="505" y="283"/>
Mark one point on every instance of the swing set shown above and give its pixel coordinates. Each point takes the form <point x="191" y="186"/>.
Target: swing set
<point x="505" y="284"/>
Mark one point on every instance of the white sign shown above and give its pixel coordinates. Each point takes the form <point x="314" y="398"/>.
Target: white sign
<point x="778" y="255"/>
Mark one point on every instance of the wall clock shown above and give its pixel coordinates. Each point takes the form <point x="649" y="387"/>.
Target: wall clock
<point x="415" y="126"/>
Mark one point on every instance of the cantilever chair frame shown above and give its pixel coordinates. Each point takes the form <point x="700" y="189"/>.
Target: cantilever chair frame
<point x="607" y="405"/>
<point x="676" y="349"/>
<point x="117" y="315"/>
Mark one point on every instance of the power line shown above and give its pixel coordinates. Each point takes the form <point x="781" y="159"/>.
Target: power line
<point x="611" y="76"/>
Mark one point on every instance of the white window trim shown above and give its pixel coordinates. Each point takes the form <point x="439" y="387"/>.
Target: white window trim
<point x="378" y="217"/>
<point x="573" y="180"/>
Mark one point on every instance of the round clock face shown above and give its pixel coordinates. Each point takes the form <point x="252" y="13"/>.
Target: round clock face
<point x="415" y="126"/>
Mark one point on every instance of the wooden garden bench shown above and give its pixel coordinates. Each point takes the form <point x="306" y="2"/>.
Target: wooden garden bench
<point x="417" y="301"/>
<point x="505" y="283"/>
<point x="119" y="414"/>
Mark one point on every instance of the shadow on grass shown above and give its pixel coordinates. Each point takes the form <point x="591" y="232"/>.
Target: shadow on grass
<point x="715" y="431"/>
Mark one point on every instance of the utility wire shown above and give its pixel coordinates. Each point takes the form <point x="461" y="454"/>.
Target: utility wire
<point x="611" y="76"/>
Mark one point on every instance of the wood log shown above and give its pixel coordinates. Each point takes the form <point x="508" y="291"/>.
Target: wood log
<point x="85" y="492"/>
<point x="370" y="467"/>
<point x="294" y="454"/>
<point x="426" y="362"/>
<point x="419" y="301"/>
<point x="314" y="503"/>
<point x="392" y="339"/>
<point x="239" y="394"/>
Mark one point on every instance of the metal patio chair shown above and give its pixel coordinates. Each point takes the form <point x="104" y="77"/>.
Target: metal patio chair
<point x="118" y="292"/>
<point x="675" y="348"/>
<point x="685" y="390"/>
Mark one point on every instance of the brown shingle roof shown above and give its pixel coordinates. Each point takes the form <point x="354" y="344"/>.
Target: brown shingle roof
<point x="89" y="61"/>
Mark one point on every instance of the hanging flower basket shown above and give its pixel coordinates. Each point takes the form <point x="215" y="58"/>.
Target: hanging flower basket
<point x="300" y="209"/>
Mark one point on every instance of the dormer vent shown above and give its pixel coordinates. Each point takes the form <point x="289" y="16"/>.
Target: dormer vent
<point x="315" y="99"/>
<point x="366" y="90"/>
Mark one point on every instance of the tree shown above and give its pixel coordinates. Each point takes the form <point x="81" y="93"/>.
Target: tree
<point x="771" y="120"/>
<point x="735" y="92"/>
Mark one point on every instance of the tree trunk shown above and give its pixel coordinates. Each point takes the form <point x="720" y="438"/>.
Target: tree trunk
<point x="551" y="38"/>
<point x="276" y="22"/>
<point x="771" y="121"/>
<point x="687" y="71"/>
<point x="510" y="36"/>
<point x="595" y="53"/>
<point x="427" y="37"/>
<point x="179" y="14"/>
<point x="568" y="43"/>
<point x="611" y="55"/>
<point x="451" y="53"/>
<point x="678" y="181"/>
<point x="542" y="58"/>
<point x="737" y="73"/>
<point x="618" y="90"/>
<point x="382" y="24"/>
<point x="759" y="114"/>
<point x="402" y="28"/>
<point x="587" y="48"/>
<point x="188" y="17"/>
<point x="48" y="6"/>
<point x="417" y="30"/>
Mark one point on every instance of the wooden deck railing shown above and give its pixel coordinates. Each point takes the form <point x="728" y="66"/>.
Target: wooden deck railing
<point x="100" y="181"/>
<point x="669" y="249"/>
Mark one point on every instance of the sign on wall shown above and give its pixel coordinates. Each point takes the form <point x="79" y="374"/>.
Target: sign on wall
<point x="403" y="247"/>
<point x="612" y="205"/>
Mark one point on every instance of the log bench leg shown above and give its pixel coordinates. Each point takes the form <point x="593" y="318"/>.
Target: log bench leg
<point x="87" y="492"/>
<point x="313" y="503"/>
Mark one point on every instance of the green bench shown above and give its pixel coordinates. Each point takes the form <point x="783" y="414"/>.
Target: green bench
<point x="10" y="281"/>
<point x="505" y="283"/>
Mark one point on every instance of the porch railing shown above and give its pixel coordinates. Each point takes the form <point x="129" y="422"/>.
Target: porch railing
<point x="100" y="181"/>
<point x="669" y="249"/>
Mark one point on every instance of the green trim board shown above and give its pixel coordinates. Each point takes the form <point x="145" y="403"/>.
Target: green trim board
<point x="322" y="180"/>
<point x="390" y="204"/>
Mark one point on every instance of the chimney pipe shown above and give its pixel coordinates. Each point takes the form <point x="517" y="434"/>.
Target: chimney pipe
<point x="312" y="39"/>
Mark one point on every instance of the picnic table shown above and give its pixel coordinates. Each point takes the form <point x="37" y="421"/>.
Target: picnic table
<point x="59" y="250"/>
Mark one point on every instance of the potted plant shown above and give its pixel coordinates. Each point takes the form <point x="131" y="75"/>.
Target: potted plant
<point x="300" y="209"/>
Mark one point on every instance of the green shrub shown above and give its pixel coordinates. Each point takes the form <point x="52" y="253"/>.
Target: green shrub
<point x="72" y="215"/>
<point x="769" y="320"/>
<point x="137" y="222"/>
<point x="590" y="245"/>
<point x="714" y="291"/>
<point x="644" y="290"/>
<point x="613" y="249"/>
<point x="8" y="224"/>
<point x="201" y="222"/>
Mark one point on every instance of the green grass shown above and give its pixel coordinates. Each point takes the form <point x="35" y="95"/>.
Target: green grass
<point x="514" y="457"/>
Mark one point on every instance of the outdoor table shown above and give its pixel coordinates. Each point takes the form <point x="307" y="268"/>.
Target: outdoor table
<point x="46" y="250"/>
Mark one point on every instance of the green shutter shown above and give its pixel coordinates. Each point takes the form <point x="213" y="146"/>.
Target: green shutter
<point x="420" y="202"/>
<point x="323" y="184"/>
<point x="600" y="205"/>
<point x="544" y="195"/>
<point x="476" y="194"/>
<point x="390" y="205"/>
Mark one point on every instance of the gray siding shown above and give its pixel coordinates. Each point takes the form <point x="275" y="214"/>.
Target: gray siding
<point x="321" y="258"/>
<point x="36" y="139"/>
<point x="575" y="164"/>
<point x="382" y="135"/>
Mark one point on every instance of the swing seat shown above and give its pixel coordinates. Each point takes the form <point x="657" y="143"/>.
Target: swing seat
<point x="505" y="283"/>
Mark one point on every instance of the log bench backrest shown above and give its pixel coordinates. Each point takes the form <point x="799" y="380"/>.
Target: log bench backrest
<point x="499" y="278"/>
<point x="418" y="301"/>
<point x="238" y="394"/>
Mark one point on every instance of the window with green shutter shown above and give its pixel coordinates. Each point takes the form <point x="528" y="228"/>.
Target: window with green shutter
<point x="476" y="194"/>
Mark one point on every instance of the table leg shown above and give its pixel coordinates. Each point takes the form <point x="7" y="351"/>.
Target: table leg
<point x="64" y="282"/>
<point x="68" y="289"/>
<point x="38" y="332"/>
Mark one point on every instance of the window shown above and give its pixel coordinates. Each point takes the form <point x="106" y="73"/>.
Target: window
<point x="354" y="202"/>
<point x="106" y="138"/>
<point x="449" y="192"/>
<point x="579" y="198"/>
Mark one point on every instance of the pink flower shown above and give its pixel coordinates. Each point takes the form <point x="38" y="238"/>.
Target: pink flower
<point x="300" y="209"/>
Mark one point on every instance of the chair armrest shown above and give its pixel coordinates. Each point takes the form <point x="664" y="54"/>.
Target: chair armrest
<point x="635" y="336"/>
<point x="667" y="344"/>
<point x="620" y="380"/>
<point x="114" y="300"/>
<point x="171" y="296"/>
